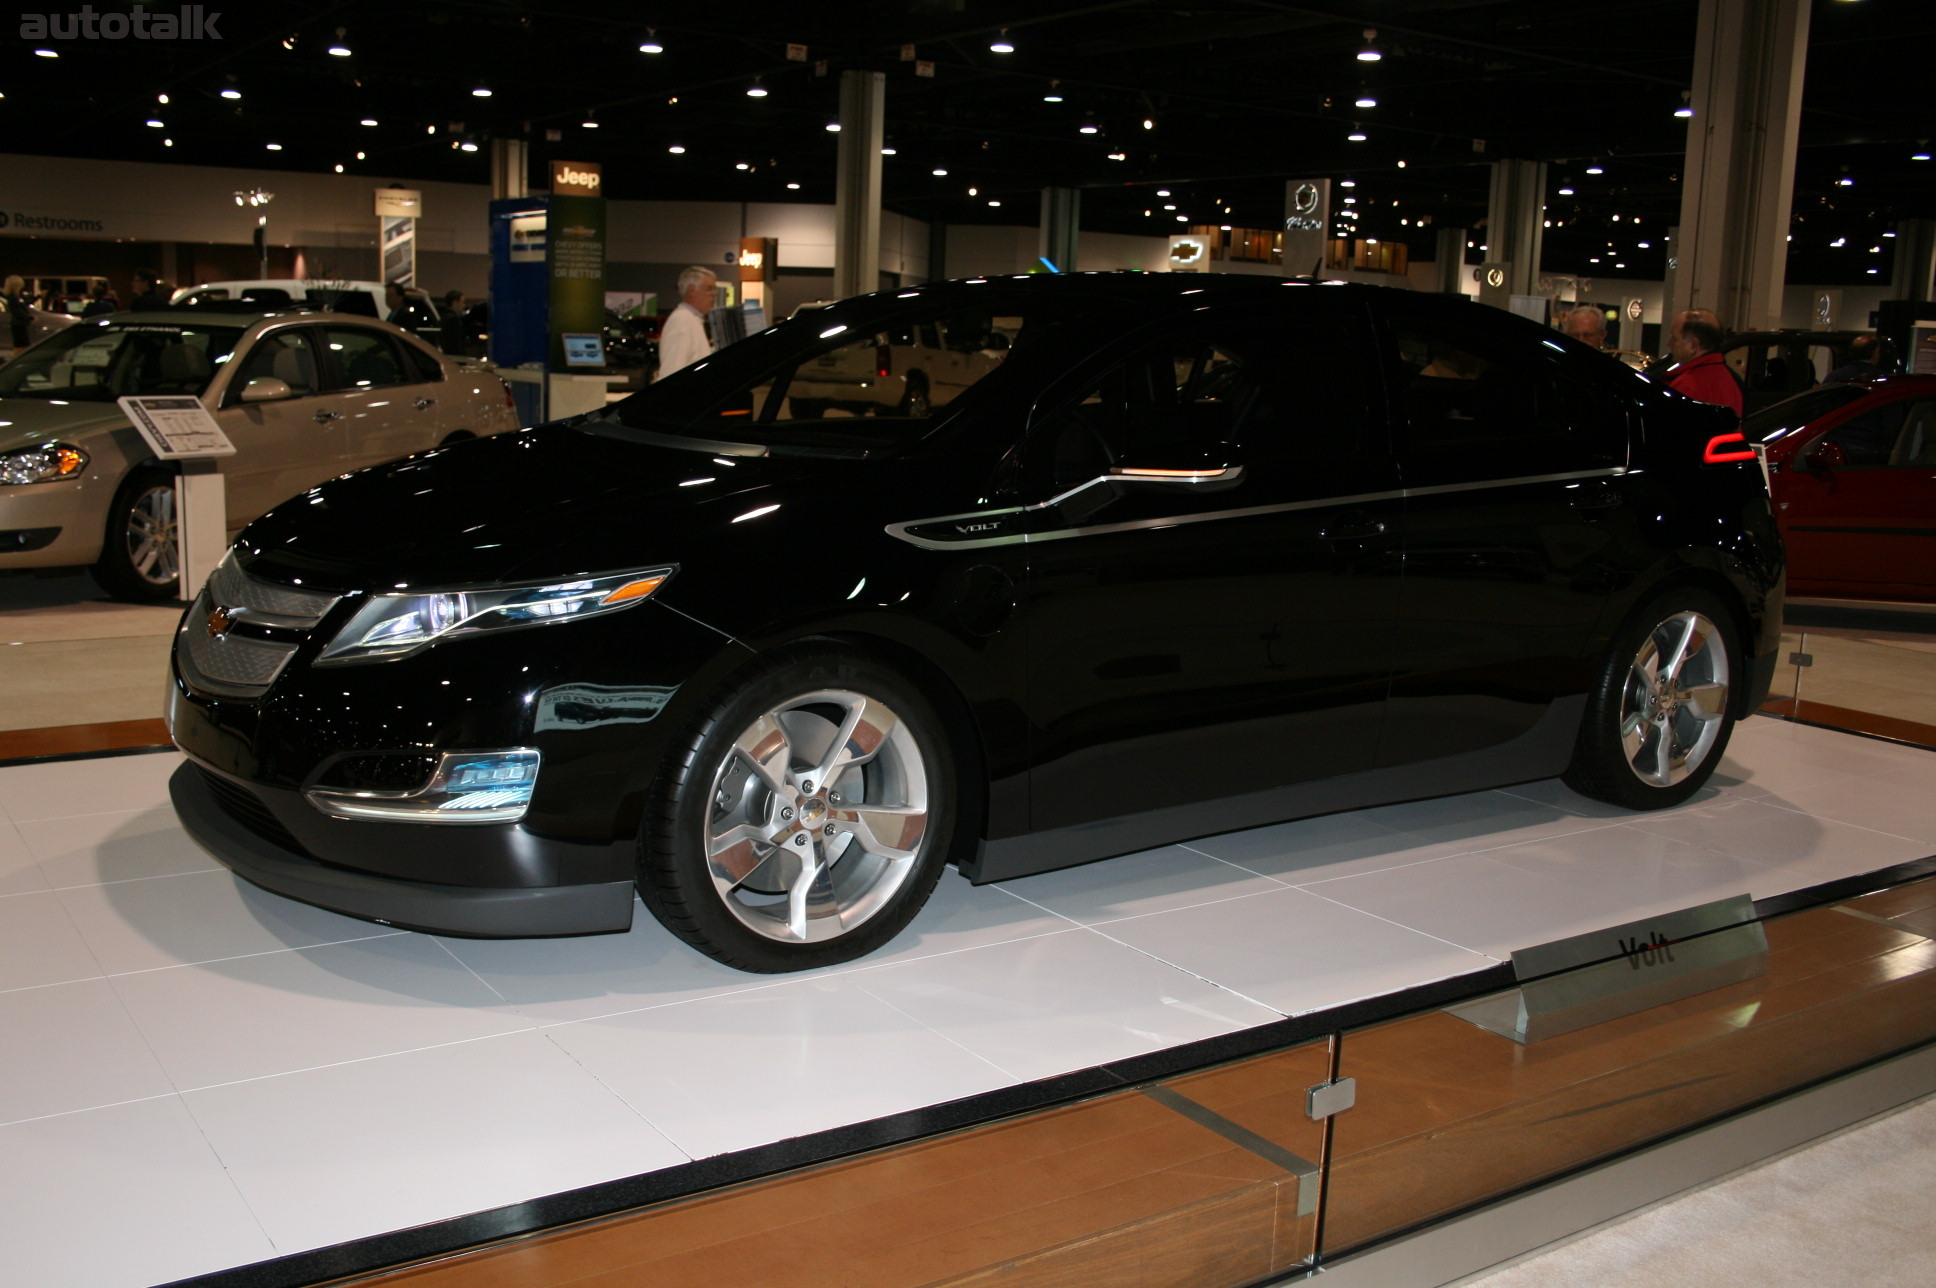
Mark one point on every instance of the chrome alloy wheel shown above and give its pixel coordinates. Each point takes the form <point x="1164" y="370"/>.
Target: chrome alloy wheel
<point x="153" y="535"/>
<point x="1674" y="705"/>
<point x="818" y="816"/>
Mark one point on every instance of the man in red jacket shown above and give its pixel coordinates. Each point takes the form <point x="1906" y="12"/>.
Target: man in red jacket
<point x="1700" y="371"/>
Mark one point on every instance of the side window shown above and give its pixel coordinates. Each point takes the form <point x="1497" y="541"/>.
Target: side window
<point x="288" y="355"/>
<point x="1916" y="448"/>
<point x="1869" y="442"/>
<point x="1477" y="404"/>
<point x="419" y="367"/>
<point x="364" y="359"/>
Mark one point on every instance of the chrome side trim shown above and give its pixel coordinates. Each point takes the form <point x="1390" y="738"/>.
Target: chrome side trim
<point x="979" y="520"/>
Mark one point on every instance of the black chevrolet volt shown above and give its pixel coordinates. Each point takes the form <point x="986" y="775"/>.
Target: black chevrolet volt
<point x="1044" y="570"/>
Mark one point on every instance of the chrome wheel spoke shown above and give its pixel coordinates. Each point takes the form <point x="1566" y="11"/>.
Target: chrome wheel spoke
<point x="766" y="748"/>
<point x="811" y="897"/>
<point x="1684" y="647"/>
<point x="890" y="832"/>
<point x="735" y="853"/>
<point x="866" y="726"/>
<point x="1710" y="700"/>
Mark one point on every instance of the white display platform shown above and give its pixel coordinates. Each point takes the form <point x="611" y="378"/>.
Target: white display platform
<point x="219" y="1076"/>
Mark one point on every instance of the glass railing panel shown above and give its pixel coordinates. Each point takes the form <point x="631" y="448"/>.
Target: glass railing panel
<point x="1881" y="673"/>
<point x="1450" y="1114"/>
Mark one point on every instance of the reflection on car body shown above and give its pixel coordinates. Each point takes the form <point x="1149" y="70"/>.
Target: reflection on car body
<point x="1185" y="557"/>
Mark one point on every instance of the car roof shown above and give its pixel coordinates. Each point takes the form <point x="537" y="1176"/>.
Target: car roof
<point x="245" y="313"/>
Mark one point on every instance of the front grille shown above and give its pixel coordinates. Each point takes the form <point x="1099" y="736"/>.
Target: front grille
<point x="260" y="601"/>
<point x="246" y="808"/>
<point x="234" y="660"/>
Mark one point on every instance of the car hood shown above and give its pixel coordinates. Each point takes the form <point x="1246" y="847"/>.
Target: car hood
<point x="550" y="501"/>
<point x="26" y="422"/>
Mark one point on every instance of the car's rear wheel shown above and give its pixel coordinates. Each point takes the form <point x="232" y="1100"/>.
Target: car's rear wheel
<point x="808" y="817"/>
<point x="1660" y="713"/>
<point x="141" y="548"/>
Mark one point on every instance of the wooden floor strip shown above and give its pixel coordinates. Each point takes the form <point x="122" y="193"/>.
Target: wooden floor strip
<point x="1822" y="713"/>
<point x="76" y="740"/>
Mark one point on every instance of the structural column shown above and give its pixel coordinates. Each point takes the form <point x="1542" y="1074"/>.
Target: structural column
<point x="1448" y="268"/>
<point x="1915" y="260"/>
<point x="510" y="166"/>
<point x="1515" y="224"/>
<point x="857" y="183"/>
<point x="1061" y="227"/>
<point x="1739" y="181"/>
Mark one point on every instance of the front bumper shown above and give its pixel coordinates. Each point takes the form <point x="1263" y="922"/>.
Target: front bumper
<point x="481" y="911"/>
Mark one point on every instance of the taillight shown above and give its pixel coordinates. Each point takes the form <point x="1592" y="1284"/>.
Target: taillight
<point x="509" y="401"/>
<point x="883" y="361"/>
<point x="1723" y="448"/>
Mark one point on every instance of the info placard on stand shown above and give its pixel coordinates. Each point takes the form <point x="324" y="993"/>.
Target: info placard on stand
<point x="178" y="428"/>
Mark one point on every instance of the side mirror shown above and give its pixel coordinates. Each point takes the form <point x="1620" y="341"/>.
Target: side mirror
<point x="1826" y="456"/>
<point x="266" y="389"/>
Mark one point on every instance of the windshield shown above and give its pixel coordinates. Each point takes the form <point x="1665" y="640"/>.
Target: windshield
<point x="853" y="377"/>
<point x="100" y="363"/>
<point x="1789" y="415"/>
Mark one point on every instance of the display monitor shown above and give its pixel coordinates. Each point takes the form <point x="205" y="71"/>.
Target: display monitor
<point x="584" y="349"/>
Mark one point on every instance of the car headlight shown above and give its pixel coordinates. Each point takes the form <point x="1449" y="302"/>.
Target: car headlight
<point x="47" y="463"/>
<point x="393" y="626"/>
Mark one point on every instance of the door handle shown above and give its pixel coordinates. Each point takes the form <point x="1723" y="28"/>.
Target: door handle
<point x="1353" y="530"/>
<point x="324" y="417"/>
<point x="1597" y="497"/>
<point x="425" y="402"/>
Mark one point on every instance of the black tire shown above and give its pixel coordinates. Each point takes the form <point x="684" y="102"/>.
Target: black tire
<point x="914" y="402"/>
<point x="1645" y="744"/>
<point x="742" y="790"/>
<point x="141" y="546"/>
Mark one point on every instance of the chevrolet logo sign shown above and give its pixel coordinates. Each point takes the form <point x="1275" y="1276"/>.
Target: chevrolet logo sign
<point x="219" y="622"/>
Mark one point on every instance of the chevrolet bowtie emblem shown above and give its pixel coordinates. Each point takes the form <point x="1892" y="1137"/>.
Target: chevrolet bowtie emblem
<point x="219" y="621"/>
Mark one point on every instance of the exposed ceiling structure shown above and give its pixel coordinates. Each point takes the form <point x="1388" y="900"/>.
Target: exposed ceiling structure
<point x="1207" y="109"/>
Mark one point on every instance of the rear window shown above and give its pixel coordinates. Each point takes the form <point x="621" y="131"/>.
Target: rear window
<point x="1785" y="417"/>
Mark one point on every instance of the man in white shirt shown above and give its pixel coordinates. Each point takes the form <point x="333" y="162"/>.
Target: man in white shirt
<point x="686" y="339"/>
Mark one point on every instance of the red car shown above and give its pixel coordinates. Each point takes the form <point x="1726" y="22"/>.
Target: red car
<point x="1853" y="469"/>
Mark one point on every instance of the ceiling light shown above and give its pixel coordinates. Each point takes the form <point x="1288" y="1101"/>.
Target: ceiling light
<point x="1566" y="192"/>
<point x="1370" y="54"/>
<point x="1148" y="124"/>
<point x="368" y="120"/>
<point x="1356" y="136"/>
<point x="467" y="147"/>
<point x="1119" y="156"/>
<point x="1183" y="219"/>
<point x="1683" y="111"/>
<point x="339" y="51"/>
<point x="1162" y="192"/>
<point x="162" y="99"/>
<point x="168" y="143"/>
<point x="359" y="156"/>
<point x="994" y="203"/>
<point x="974" y="192"/>
<point x="1169" y="207"/>
<point x="482" y="91"/>
<point x="589" y="123"/>
<point x="46" y="53"/>
<point x="833" y="127"/>
<point x="793" y="187"/>
<point x="1594" y="169"/>
<point x="339" y="167"/>
<point x="231" y="93"/>
<point x="1350" y="200"/>
<point x="939" y="174"/>
<point x="1052" y="97"/>
<point x="1000" y="44"/>
<point x="1919" y="156"/>
<point x="1845" y="182"/>
<point x="677" y="149"/>
<point x="742" y="166"/>
<point x="1088" y="129"/>
<point x="1367" y="101"/>
<point x="156" y="125"/>
<point x="273" y="147"/>
<point x="650" y="45"/>
<point x="756" y="90"/>
<point x="1347" y="183"/>
<point x="1645" y="245"/>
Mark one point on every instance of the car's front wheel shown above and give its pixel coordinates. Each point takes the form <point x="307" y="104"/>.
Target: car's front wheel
<point x="141" y="548"/>
<point x="808" y="817"/>
<point x="1660" y="713"/>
